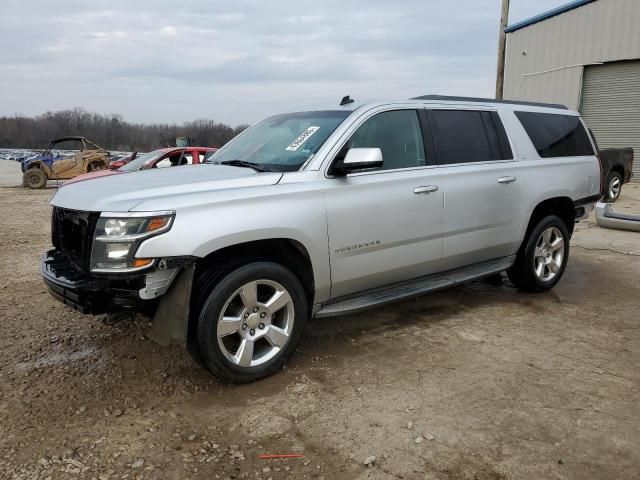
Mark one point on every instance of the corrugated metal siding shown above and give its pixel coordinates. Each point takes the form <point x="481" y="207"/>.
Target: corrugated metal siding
<point x="601" y="31"/>
<point x="611" y="106"/>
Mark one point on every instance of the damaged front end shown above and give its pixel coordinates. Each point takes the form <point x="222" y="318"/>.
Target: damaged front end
<point x="93" y="269"/>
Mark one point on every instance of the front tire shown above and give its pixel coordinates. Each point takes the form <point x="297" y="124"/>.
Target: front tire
<point x="34" y="178"/>
<point x="251" y="322"/>
<point x="543" y="257"/>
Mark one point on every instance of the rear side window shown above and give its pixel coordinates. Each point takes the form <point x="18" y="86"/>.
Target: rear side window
<point x="556" y="135"/>
<point x="463" y="136"/>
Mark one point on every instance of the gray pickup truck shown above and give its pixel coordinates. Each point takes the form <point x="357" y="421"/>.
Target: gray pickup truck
<point x="322" y="213"/>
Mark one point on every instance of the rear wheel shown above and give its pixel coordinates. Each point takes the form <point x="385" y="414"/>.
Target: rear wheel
<point x="251" y="322"/>
<point x="614" y="187"/>
<point x="543" y="257"/>
<point x="34" y="178"/>
<point x="94" y="166"/>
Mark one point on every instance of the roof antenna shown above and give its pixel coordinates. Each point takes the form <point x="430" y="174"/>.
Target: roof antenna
<point x="346" y="100"/>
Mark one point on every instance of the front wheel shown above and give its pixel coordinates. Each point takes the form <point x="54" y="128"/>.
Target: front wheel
<point x="543" y="257"/>
<point x="34" y="178"/>
<point x="251" y="322"/>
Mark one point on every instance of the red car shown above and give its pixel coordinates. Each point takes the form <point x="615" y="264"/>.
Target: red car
<point x="161" y="158"/>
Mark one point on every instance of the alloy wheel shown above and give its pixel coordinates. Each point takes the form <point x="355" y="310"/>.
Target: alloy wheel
<point x="549" y="254"/>
<point x="614" y="188"/>
<point x="255" y="323"/>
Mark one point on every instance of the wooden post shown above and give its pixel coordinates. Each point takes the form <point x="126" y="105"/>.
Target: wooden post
<point x="502" y="40"/>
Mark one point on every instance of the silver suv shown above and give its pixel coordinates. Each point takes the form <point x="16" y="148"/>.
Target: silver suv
<point x="322" y="213"/>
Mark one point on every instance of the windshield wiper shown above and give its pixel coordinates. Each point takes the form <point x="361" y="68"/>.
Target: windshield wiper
<point x="243" y="163"/>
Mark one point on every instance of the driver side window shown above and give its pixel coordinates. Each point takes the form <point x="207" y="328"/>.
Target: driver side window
<point x="397" y="133"/>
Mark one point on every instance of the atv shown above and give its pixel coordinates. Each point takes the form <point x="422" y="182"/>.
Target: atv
<point x="49" y="166"/>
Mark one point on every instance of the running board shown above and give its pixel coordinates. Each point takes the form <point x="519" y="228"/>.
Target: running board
<point x="418" y="286"/>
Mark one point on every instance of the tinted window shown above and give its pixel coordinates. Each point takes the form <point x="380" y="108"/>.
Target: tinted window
<point x="461" y="136"/>
<point x="556" y="135"/>
<point x="397" y="134"/>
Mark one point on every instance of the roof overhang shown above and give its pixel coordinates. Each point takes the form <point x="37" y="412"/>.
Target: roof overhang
<point x="546" y="15"/>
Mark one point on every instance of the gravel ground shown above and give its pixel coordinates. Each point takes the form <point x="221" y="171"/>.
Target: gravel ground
<point x="475" y="382"/>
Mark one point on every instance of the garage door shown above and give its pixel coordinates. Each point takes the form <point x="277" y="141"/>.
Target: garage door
<point x="611" y="106"/>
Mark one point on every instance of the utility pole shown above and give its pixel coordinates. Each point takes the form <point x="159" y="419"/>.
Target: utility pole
<point x="502" y="40"/>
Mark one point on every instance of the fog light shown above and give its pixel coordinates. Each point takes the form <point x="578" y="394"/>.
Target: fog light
<point x="117" y="251"/>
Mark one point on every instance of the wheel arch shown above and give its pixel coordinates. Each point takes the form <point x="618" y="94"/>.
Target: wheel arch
<point x="561" y="206"/>
<point x="288" y="252"/>
<point x="617" y="169"/>
<point x="40" y="166"/>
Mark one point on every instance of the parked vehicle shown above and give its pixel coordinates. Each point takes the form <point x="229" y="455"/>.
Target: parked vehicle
<point x="617" y="168"/>
<point x="49" y="166"/>
<point x="323" y="213"/>
<point x="122" y="161"/>
<point x="162" y="158"/>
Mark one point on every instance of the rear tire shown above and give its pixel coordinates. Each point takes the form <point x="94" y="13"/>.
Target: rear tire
<point x="614" y="187"/>
<point x="34" y="178"/>
<point x="543" y="257"/>
<point x="251" y="321"/>
<point x="95" y="166"/>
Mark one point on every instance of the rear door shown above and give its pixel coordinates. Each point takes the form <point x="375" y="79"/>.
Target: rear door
<point x="385" y="225"/>
<point x="482" y="191"/>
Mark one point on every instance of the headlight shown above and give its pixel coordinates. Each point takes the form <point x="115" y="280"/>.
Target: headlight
<point x="118" y="236"/>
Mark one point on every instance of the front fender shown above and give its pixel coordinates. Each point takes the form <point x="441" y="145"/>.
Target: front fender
<point x="201" y="230"/>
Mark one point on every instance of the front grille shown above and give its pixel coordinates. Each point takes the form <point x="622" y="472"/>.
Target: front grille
<point x="72" y="234"/>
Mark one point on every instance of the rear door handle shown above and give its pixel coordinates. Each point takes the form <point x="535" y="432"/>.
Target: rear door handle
<point x="425" y="189"/>
<point x="506" y="179"/>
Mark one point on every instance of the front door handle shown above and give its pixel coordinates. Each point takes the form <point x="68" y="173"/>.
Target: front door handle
<point x="425" y="189"/>
<point x="508" y="179"/>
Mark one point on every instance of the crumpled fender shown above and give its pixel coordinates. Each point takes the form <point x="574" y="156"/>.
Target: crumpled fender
<point x="171" y="320"/>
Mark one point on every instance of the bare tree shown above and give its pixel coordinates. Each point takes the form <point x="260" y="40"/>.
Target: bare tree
<point x="109" y="131"/>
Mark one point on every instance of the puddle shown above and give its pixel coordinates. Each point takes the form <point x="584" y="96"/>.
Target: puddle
<point x="55" y="359"/>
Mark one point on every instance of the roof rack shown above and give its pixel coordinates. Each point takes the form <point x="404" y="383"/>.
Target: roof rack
<point x="488" y="100"/>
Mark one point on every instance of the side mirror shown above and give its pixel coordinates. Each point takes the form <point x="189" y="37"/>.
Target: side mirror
<point x="358" y="159"/>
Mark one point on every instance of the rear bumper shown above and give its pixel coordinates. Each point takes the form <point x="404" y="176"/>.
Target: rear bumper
<point x="88" y="294"/>
<point x="608" y="217"/>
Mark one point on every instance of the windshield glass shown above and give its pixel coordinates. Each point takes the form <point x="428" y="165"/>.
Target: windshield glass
<point x="284" y="142"/>
<point x="141" y="160"/>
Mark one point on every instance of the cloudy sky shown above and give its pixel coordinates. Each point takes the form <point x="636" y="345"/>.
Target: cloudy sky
<point x="236" y="62"/>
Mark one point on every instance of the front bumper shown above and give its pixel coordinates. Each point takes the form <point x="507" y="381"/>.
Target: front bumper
<point x="88" y="294"/>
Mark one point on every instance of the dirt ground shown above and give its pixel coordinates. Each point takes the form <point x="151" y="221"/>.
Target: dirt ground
<point x="475" y="382"/>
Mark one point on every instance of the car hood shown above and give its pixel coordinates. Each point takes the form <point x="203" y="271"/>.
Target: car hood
<point x="122" y="193"/>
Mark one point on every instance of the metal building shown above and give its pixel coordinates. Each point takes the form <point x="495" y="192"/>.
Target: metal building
<point x="585" y="55"/>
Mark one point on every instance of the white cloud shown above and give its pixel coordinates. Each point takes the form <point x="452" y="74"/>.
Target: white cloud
<point x="239" y="61"/>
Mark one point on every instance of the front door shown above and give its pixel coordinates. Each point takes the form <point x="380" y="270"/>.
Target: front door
<point x="385" y="226"/>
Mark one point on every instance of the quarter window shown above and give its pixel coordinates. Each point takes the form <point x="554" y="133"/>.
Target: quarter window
<point x="462" y="136"/>
<point x="555" y="135"/>
<point x="397" y="133"/>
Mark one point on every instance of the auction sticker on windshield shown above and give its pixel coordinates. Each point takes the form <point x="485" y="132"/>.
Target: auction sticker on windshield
<point x="303" y="137"/>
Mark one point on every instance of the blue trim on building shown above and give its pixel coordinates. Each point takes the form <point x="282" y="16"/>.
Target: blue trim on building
<point x="545" y="15"/>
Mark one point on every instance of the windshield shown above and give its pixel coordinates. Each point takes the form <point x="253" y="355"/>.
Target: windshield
<point x="141" y="160"/>
<point x="282" y="143"/>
